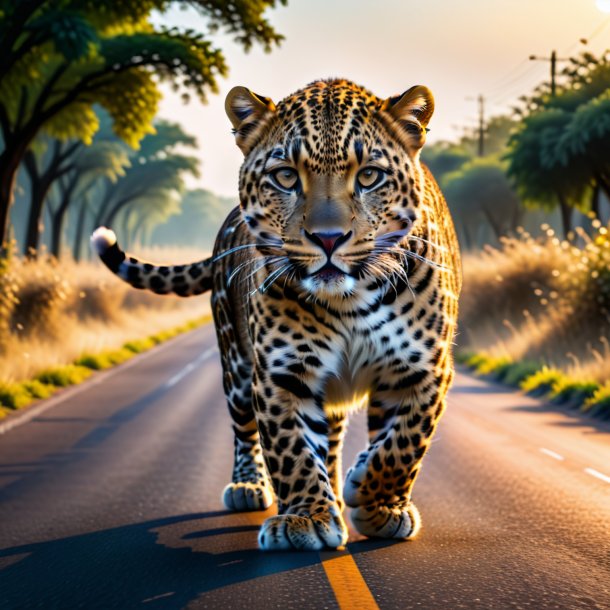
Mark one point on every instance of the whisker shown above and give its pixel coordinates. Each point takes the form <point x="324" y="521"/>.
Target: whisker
<point x="273" y="276"/>
<point x="242" y="247"/>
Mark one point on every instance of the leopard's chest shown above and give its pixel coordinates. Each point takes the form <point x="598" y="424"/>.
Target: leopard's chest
<point x="376" y="349"/>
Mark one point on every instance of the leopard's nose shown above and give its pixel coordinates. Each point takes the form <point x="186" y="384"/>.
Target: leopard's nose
<point x="329" y="241"/>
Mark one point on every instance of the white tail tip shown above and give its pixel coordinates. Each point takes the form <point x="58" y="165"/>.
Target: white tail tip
<point x="102" y="239"/>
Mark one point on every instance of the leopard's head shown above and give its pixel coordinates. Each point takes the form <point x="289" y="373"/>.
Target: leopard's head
<point x="331" y="180"/>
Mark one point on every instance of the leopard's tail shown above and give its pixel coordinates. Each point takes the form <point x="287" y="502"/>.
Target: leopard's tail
<point x="183" y="280"/>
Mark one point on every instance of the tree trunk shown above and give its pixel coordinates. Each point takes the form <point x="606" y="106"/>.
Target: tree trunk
<point x="80" y="230"/>
<point x="8" y="176"/>
<point x="595" y="199"/>
<point x="57" y="225"/>
<point x="496" y="227"/>
<point x="566" y="215"/>
<point x="58" y="218"/>
<point x="40" y="185"/>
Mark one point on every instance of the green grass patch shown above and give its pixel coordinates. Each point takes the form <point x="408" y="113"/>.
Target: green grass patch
<point x="38" y="389"/>
<point x="140" y="345"/>
<point x="599" y="403"/>
<point x="542" y="381"/>
<point x="14" y="396"/>
<point x="567" y="390"/>
<point x="517" y="372"/>
<point x="105" y="360"/>
<point x="473" y="360"/>
<point x="64" y="376"/>
<point x="492" y="365"/>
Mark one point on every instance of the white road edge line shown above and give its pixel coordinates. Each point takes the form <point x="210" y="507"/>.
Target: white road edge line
<point x="552" y="454"/>
<point x="189" y="367"/>
<point x="597" y="475"/>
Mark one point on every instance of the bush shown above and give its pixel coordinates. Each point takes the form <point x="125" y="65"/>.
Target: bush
<point x="599" y="403"/>
<point x="542" y="300"/>
<point x="64" y="376"/>
<point x="14" y="396"/>
<point x="38" y="389"/>
<point x="572" y="392"/>
<point x="517" y="372"/>
<point x="542" y="381"/>
<point x="105" y="360"/>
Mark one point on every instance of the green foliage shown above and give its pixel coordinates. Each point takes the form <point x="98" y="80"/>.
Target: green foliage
<point x="38" y="389"/>
<point x="18" y="395"/>
<point x="490" y="365"/>
<point x="542" y="381"/>
<point x="14" y="396"/>
<point x="139" y="346"/>
<point x="599" y="403"/>
<point x="62" y="58"/>
<point x="479" y="193"/>
<point x="443" y="158"/>
<point x="105" y="360"/>
<point x="201" y="216"/>
<point x="559" y="151"/>
<point x="517" y="372"/>
<point x="571" y="391"/>
<point x="63" y="376"/>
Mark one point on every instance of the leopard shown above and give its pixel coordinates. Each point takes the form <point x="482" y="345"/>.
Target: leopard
<point x="334" y="288"/>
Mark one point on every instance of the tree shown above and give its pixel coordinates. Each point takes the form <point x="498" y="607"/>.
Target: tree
<point x="478" y="194"/>
<point x="201" y="215"/>
<point x="558" y="155"/>
<point x="59" y="57"/>
<point x="443" y="158"/>
<point x="103" y="160"/>
<point x="539" y="179"/>
<point x="44" y="167"/>
<point x="156" y="170"/>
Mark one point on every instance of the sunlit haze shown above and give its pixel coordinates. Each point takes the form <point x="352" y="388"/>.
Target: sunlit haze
<point x="459" y="49"/>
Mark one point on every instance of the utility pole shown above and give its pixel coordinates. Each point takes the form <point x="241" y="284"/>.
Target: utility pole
<point x="481" y="100"/>
<point x="481" y="130"/>
<point x="553" y="59"/>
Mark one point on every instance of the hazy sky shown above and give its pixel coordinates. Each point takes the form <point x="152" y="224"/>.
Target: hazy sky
<point x="458" y="48"/>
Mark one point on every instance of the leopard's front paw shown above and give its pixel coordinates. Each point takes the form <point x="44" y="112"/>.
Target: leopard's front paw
<point x="381" y="521"/>
<point x="247" y="496"/>
<point x="307" y="533"/>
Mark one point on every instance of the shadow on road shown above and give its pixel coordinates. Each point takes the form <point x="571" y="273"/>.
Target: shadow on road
<point x="164" y="563"/>
<point x="587" y="423"/>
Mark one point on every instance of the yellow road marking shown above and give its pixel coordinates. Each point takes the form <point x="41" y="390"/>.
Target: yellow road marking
<point x="349" y="587"/>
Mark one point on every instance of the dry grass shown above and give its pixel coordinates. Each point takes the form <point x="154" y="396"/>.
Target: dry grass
<point x="53" y="313"/>
<point x="546" y="301"/>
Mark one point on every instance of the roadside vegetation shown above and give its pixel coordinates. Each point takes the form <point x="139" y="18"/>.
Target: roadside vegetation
<point x="535" y="314"/>
<point x="530" y="196"/>
<point x="81" y="146"/>
<point x="59" y="322"/>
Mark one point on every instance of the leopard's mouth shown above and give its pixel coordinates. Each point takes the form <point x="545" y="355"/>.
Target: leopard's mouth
<point x="328" y="273"/>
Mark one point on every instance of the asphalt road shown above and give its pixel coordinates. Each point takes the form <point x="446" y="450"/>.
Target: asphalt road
<point x="110" y="498"/>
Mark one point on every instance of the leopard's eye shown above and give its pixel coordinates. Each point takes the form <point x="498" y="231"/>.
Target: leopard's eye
<point x="286" y="178"/>
<point x="369" y="177"/>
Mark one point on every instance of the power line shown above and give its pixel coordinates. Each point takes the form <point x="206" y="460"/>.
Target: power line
<point x="596" y="32"/>
<point x="481" y="129"/>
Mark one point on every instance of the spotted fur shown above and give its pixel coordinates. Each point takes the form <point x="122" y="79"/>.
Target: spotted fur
<point x="334" y="285"/>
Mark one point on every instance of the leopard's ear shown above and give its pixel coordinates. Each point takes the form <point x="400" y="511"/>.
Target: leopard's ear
<point x="246" y="111"/>
<point x="410" y="114"/>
